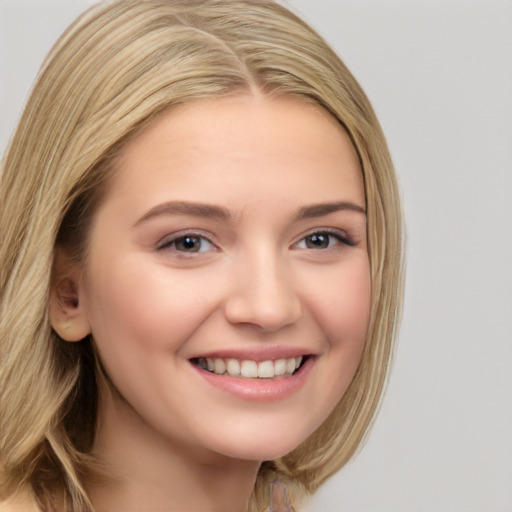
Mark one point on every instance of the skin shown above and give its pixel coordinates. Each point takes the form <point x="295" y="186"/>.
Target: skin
<point x="255" y="279"/>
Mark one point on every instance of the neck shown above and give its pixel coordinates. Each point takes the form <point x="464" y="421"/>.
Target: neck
<point x="144" y="470"/>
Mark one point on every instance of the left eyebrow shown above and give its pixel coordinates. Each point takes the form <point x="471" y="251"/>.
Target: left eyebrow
<point x="319" y="210"/>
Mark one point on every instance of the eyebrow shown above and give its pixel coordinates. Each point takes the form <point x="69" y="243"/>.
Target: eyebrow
<point x="319" y="210"/>
<point x="223" y="214"/>
<point x="187" y="208"/>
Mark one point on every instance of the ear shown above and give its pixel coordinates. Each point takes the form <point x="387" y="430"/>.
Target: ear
<point x="67" y="315"/>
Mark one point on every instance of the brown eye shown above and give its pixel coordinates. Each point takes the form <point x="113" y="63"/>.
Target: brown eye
<point x="318" y="241"/>
<point x="188" y="244"/>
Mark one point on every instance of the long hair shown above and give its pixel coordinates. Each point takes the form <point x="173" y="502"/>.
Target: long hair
<point x="116" y="68"/>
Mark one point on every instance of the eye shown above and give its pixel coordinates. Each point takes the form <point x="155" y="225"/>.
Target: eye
<point x="323" y="240"/>
<point x="188" y="243"/>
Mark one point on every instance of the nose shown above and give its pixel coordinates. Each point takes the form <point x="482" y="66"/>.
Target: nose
<point x="263" y="294"/>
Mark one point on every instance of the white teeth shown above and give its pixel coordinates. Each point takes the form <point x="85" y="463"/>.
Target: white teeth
<point x="251" y="369"/>
<point x="219" y="366"/>
<point x="280" y="367"/>
<point x="266" y="370"/>
<point x="233" y="367"/>
<point x="290" y="365"/>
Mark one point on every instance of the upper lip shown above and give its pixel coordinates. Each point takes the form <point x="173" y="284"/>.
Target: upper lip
<point x="255" y="354"/>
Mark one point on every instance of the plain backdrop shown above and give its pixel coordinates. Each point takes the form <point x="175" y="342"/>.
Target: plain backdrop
<point x="439" y="74"/>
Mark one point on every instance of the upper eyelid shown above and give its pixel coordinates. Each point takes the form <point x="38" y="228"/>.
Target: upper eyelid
<point x="211" y="238"/>
<point x="172" y="237"/>
<point x="341" y="233"/>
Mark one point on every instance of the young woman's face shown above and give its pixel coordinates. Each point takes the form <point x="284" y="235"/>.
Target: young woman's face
<point x="232" y="240"/>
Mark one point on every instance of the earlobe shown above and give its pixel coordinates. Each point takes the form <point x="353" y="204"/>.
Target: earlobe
<point x="67" y="315"/>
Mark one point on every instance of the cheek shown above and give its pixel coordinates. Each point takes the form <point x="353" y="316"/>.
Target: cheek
<point x="343" y="306"/>
<point x="133" y="304"/>
<point x="344" y="312"/>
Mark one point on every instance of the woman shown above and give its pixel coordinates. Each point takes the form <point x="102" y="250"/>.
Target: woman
<point x="201" y="264"/>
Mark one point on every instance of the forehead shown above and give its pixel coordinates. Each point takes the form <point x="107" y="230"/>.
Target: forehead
<point x="240" y="143"/>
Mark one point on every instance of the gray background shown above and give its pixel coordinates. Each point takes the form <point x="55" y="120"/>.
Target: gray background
<point x="439" y="74"/>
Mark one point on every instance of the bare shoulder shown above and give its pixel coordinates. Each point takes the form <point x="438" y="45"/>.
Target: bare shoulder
<point x="20" y="502"/>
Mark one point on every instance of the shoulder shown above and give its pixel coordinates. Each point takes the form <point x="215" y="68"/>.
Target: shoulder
<point x="20" y="502"/>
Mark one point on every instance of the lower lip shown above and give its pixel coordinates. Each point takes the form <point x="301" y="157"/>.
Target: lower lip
<point x="263" y="390"/>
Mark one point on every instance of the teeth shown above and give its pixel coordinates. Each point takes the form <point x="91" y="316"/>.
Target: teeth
<point x="251" y="369"/>
<point x="233" y="367"/>
<point x="290" y="365"/>
<point x="266" y="370"/>
<point x="280" y="367"/>
<point x="219" y="366"/>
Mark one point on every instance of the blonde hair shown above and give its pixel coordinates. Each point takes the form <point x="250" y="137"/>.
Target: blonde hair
<point x="117" y="67"/>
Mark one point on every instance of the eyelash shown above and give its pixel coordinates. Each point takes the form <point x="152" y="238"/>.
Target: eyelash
<point x="338" y="235"/>
<point x="172" y="242"/>
<point x="335" y="234"/>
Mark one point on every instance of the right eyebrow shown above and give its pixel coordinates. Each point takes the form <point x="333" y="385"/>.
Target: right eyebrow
<point x="186" y="208"/>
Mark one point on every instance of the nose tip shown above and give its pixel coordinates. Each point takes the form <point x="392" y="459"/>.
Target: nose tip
<point x="265" y="300"/>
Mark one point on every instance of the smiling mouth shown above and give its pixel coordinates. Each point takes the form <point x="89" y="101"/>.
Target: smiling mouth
<point x="249" y="369"/>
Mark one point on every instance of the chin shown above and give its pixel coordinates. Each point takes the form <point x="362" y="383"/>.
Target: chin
<point x="262" y="446"/>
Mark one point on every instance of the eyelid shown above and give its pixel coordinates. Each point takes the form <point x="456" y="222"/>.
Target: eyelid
<point x="340" y="234"/>
<point x="172" y="237"/>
